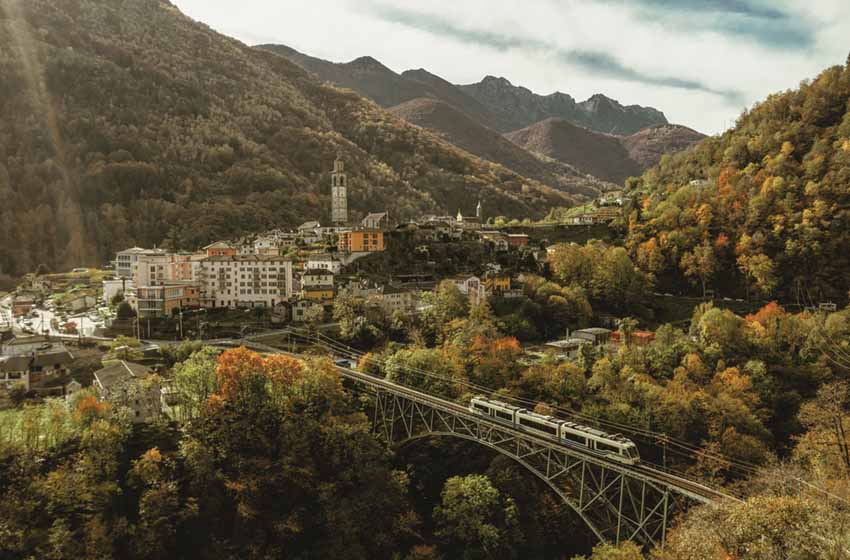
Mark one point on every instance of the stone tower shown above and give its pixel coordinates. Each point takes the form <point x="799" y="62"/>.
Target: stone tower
<point x="479" y="212"/>
<point x="339" y="193"/>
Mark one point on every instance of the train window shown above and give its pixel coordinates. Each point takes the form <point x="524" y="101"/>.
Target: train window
<point x="607" y="447"/>
<point x="504" y="415"/>
<point x="569" y="436"/>
<point x="481" y="407"/>
<point x="539" y="426"/>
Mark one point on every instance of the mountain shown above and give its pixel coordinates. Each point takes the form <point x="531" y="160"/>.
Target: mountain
<point x="520" y="107"/>
<point x="364" y="75"/>
<point x="763" y="209"/>
<point x="464" y="132"/>
<point x="449" y="93"/>
<point x="649" y="145"/>
<point x="601" y="155"/>
<point x="129" y="123"/>
<point x="493" y="102"/>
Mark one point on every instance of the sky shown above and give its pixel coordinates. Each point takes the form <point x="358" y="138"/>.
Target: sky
<point x="702" y="62"/>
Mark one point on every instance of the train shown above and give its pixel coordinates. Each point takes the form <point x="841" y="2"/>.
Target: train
<point x="612" y="446"/>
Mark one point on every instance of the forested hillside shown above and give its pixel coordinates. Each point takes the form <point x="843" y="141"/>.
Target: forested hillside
<point x="128" y="123"/>
<point x="764" y="208"/>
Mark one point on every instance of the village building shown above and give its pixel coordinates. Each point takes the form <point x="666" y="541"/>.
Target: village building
<point x="301" y="307"/>
<point x="377" y="220"/>
<point x="164" y="299"/>
<point x="470" y="222"/>
<point x="32" y="360"/>
<point x="324" y="262"/>
<point x="470" y="286"/>
<point x="361" y="241"/>
<point x="126" y="261"/>
<point x="245" y="281"/>
<point x="569" y="348"/>
<point x="220" y="249"/>
<point x="518" y="240"/>
<point x="317" y="286"/>
<point x="132" y="386"/>
<point x="394" y="299"/>
<point x="596" y="335"/>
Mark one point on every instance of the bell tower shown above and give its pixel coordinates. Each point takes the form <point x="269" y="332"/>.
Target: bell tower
<point x="339" y="193"/>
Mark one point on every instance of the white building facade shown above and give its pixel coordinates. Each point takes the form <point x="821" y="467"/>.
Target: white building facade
<point x="245" y="281"/>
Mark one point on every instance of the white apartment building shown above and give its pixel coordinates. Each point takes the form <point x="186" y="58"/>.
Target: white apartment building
<point x="126" y="261"/>
<point x="245" y="281"/>
<point x="153" y="269"/>
<point x="324" y="262"/>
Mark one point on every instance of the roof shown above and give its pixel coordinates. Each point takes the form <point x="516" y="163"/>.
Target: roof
<point x="323" y="257"/>
<point x="375" y="216"/>
<point x="246" y="258"/>
<point x="309" y="225"/>
<point x="121" y="372"/>
<point x="23" y="361"/>
<point x="219" y="245"/>
<point x="568" y="343"/>
<point x="594" y="331"/>
<point x="25" y="341"/>
<point x="140" y="251"/>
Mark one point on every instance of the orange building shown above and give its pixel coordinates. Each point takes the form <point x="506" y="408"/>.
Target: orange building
<point x="361" y="241"/>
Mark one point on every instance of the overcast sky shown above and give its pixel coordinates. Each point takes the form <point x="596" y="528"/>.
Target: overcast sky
<point x="699" y="61"/>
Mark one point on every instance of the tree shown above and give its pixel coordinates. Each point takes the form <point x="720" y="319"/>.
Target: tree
<point x="196" y="381"/>
<point x="314" y="316"/>
<point x="125" y="311"/>
<point x="700" y="264"/>
<point x="355" y="320"/>
<point x="627" y="326"/>
<point x="828" y="419"/>
<point x="572" y="264"/>
<point x="761" y="272"/>
<point x="475" y="521"/>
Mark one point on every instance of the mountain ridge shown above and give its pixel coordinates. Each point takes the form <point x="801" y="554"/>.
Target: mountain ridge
<point x="500" y="105"/>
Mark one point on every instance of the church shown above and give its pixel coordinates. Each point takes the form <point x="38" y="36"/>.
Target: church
<point x="471" y="222"/>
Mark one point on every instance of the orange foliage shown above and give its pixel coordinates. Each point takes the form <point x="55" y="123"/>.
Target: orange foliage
<point x="282" y="369"/>
<point x="89" y="408"/>
<point x="721" y="242"/>
<point x="768" y="314"/>
<point x="236" y="366"/>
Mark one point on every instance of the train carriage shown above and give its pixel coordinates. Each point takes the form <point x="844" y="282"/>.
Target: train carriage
<point x="613" y="446"/>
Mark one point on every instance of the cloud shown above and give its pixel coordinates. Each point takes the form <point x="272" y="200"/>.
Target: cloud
<point x="591" y="62"/>
<point x="768" y="25"/>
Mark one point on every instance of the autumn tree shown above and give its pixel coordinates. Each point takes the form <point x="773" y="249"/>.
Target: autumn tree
<point x="475" y="521"/>
<point x="700" y="264"/>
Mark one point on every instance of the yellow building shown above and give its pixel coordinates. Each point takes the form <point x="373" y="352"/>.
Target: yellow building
<point x="318" y="294"/>
<point x="361" y="241"/>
